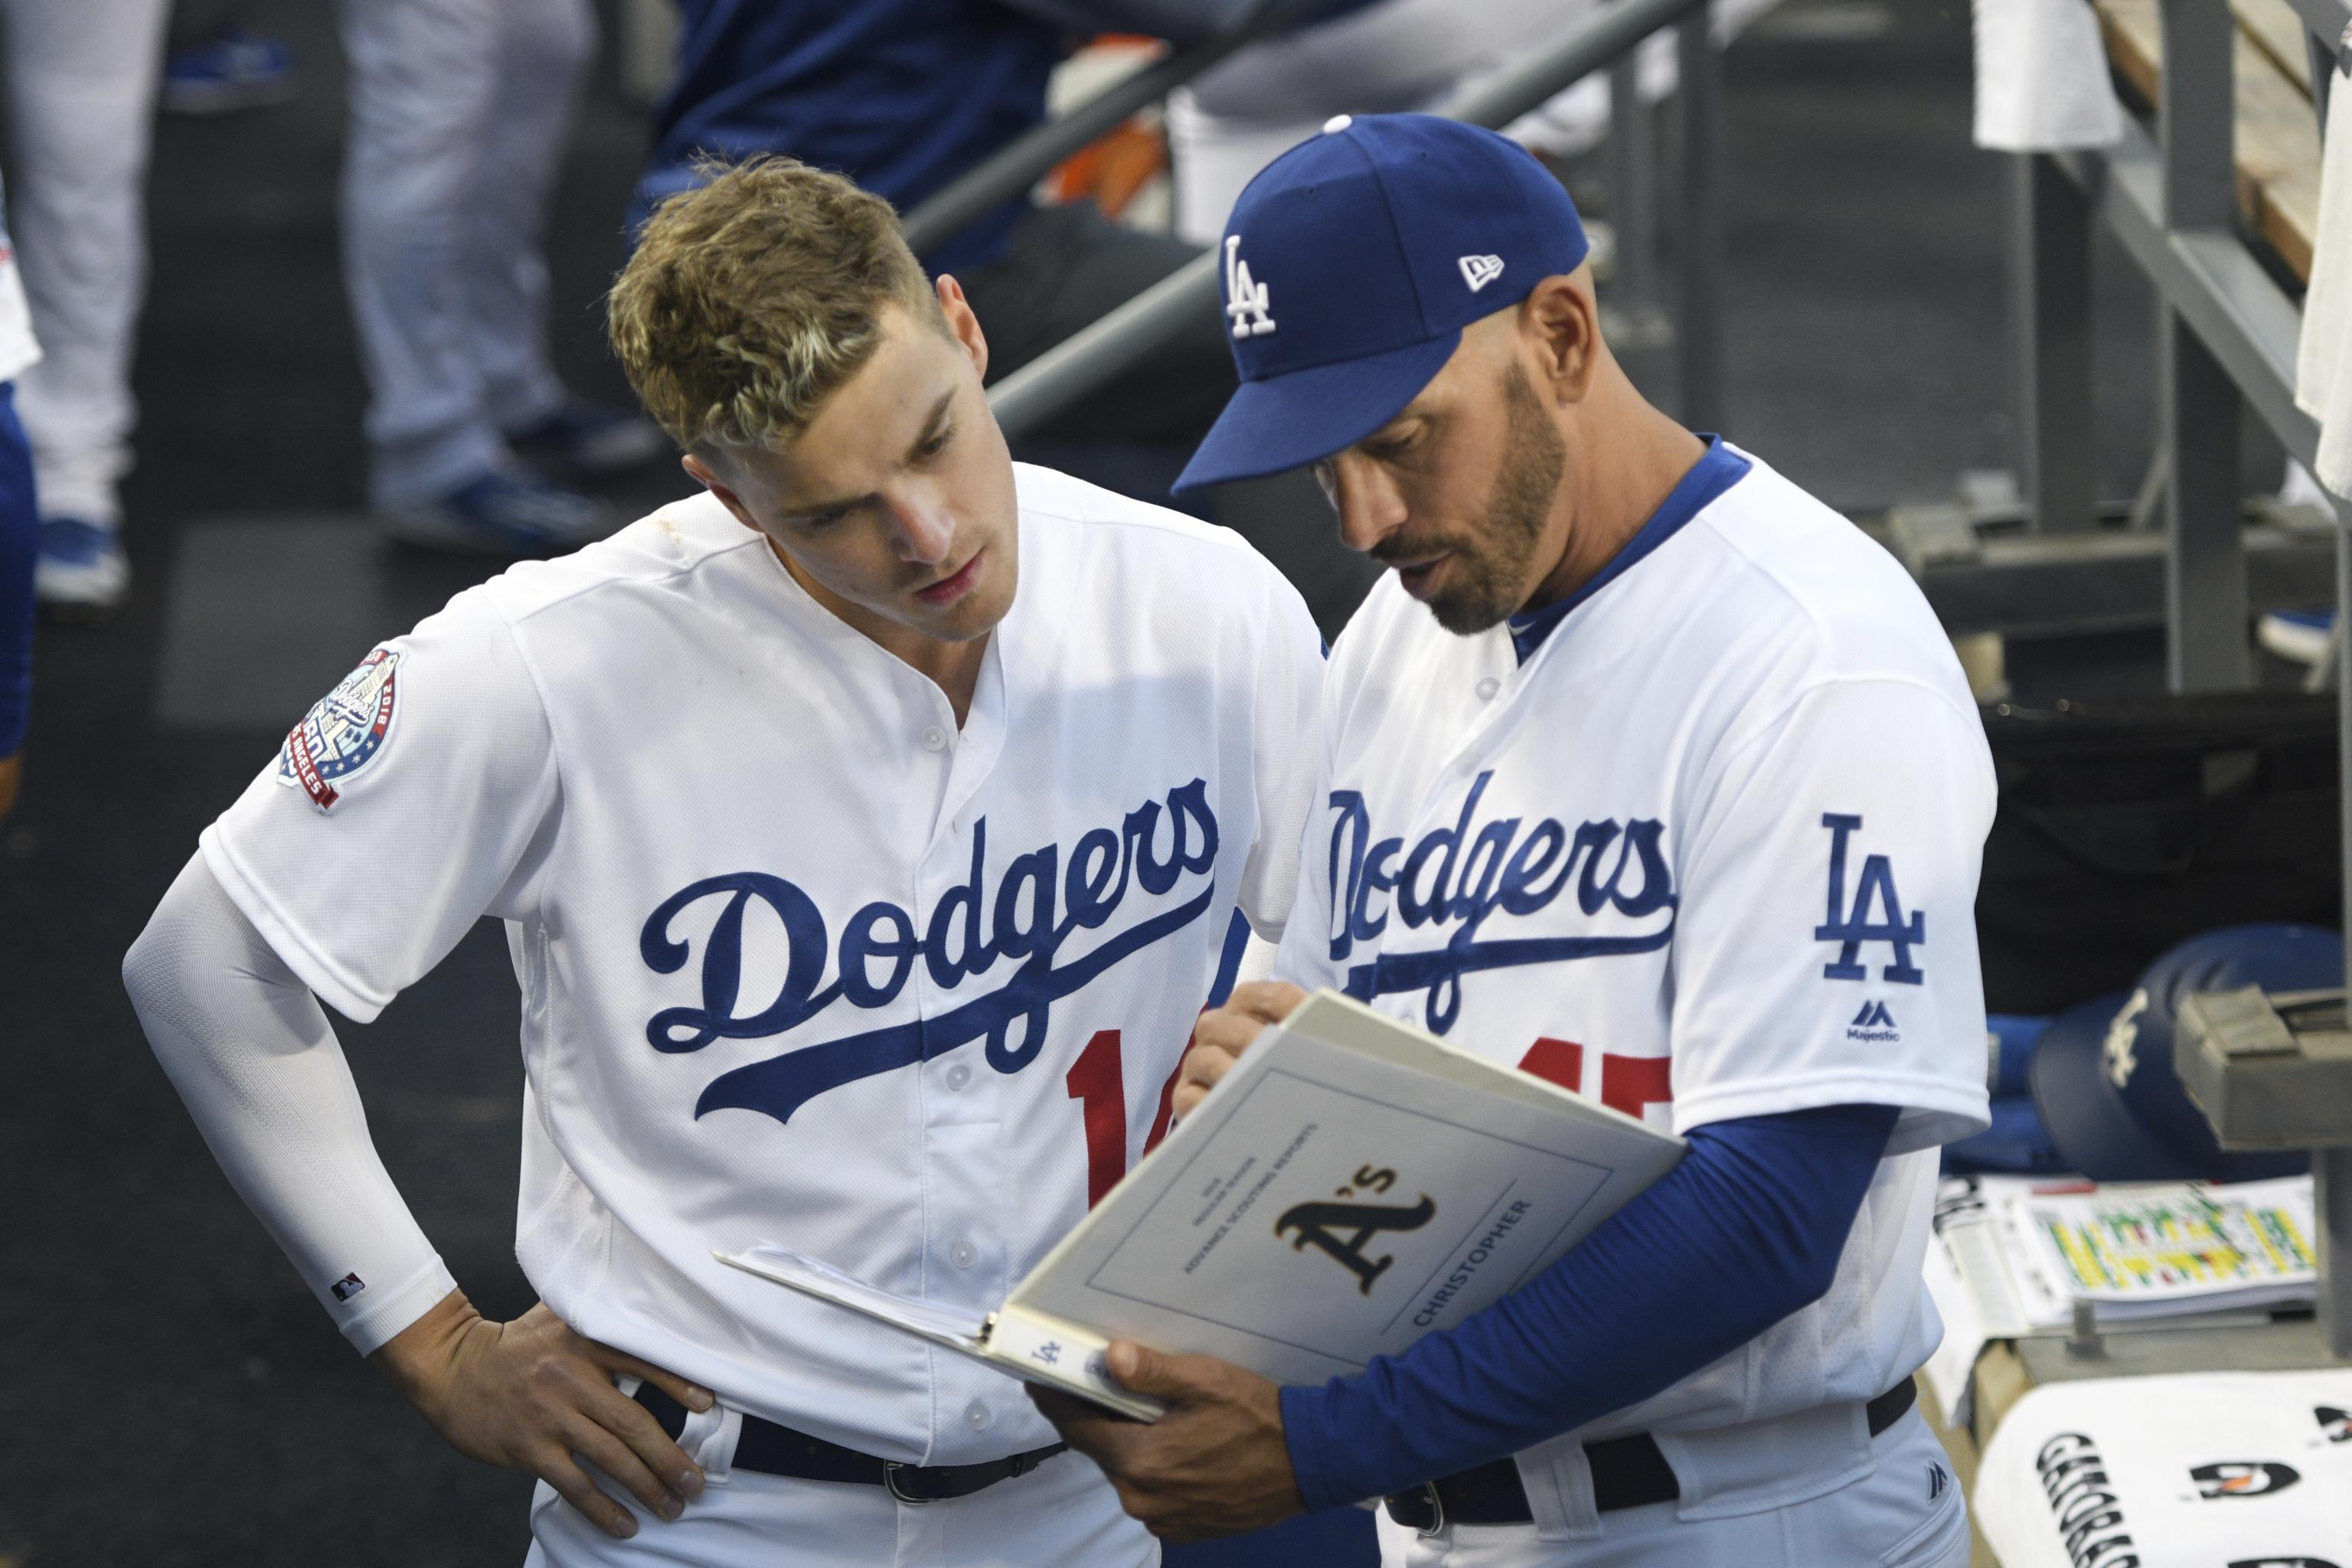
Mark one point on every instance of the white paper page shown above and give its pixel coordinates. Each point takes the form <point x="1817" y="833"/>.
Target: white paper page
<point x="1325" y="1205"/>
<point x="2178" y="1244"/>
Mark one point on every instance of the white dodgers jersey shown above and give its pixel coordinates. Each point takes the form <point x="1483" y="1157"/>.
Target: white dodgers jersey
<point x="1709" y="851"/>
<point x="800" y="959"/>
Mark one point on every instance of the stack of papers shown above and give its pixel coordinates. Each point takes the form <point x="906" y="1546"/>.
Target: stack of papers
<point x="2163" y="1250"/>
<point x="2013" y="1254"/>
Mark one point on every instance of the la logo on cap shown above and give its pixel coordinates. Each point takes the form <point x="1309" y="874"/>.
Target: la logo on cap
<point x="1480" y="271"/>
<point x="1247" y="300"/>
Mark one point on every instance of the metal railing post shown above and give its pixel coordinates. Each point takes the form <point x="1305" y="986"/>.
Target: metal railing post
<point x="1634" y="203"/>
<point x="2050" y="305"/>
<point x="2197" y="404"/>
<point x="1699" y="324"/>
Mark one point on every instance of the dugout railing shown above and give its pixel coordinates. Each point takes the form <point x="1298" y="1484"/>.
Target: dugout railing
<point x="2227" y="333"/>
<point x="1131" y="334"/>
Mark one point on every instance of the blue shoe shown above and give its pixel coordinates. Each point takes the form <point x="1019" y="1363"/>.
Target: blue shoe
<point x="584" y="440"/>
<point x="503" y="513"/>
<point x="237" y="70"/>
<point x="79" y="571"/>
<point x="2302" y="635"/>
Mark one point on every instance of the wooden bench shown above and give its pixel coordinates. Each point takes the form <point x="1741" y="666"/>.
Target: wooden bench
<point x="2278" y="130"/>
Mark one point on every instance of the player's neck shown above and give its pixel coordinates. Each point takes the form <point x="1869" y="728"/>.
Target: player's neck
<point x="1606" y="502"/>
<point x="952" y="666"/>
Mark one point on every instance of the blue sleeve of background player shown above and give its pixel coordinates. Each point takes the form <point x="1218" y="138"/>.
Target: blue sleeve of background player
<point x="1746" y="1229"/>
<point x="20" y="527"/>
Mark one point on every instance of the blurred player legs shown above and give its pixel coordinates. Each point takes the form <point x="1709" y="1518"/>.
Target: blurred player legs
<point x="460" y="113"/>
<point x="1910" y="1500"/>
<point x="81" y="91"/>
<point x="1058" y="1516"/>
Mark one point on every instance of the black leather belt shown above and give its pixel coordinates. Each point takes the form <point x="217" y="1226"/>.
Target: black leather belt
<point x="1627" y="1472"/>
<point x="777" y="1451"/>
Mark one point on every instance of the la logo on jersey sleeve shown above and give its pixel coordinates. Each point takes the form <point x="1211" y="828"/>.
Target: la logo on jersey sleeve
<point x="343" y="732"/>
<point x="1869" y="913"/>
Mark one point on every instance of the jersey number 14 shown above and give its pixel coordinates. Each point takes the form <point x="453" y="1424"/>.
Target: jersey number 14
<point x="1098" y="1082"/>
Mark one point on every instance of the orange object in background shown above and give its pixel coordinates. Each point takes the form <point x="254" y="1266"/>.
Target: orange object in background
<point x="1110" y="170"/>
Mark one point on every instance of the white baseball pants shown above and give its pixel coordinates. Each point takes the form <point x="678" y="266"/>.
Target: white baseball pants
<point x="1061" y="1515"/>
<point x="460" y="111"/>
<point x="81" y="107"/>
<point x="1907" y="1514"/>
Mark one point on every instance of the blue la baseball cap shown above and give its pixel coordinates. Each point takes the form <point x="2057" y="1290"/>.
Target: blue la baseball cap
<point x="1350" y="266"/>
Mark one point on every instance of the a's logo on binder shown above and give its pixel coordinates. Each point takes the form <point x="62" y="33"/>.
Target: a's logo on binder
<point x="1320" y="1224"/>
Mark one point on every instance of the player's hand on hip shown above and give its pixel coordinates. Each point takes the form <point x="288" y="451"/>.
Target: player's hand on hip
<point x="1216" y="1464"/>
<point x="1223" y="1034"/>
<point x="534" y="1395"/>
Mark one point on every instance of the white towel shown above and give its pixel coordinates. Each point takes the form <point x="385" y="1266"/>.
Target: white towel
<point x="2322" y="371"/>
<point x="2041" y="78"/>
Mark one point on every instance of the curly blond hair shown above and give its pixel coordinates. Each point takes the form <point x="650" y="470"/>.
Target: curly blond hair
<point x="753" y="297"/>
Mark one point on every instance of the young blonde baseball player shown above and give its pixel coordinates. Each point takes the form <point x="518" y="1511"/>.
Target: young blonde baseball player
<point x="1645" y="773"/>
<point x="866" y="830"/>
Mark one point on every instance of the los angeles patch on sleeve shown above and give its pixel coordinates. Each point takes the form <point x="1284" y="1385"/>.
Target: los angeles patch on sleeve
<point x="343" y="732"/>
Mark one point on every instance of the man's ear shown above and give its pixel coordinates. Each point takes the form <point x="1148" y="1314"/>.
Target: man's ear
<point x="961" y="324"/>
<point x="700" y="472"/>
<point x="1563" y="324"/>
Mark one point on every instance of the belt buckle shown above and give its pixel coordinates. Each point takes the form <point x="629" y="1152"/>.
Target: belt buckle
<point x="890" y="1468"/>
<point x="1436" y="1524"/>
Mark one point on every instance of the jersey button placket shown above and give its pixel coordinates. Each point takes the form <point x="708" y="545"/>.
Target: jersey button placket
<point x="934" y="739"/>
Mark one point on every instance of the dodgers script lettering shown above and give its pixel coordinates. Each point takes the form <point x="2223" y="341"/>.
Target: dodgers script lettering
<point x="1042" y="900"/>
<point x="1464" y="875"/>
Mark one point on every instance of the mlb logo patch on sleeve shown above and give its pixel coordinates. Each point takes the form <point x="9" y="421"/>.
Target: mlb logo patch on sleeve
<point x="343" y="732"/>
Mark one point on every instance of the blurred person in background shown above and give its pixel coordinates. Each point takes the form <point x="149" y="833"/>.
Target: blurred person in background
<point x="1383" y="58"/>
<point x="460" y="113"/>
<point x="216" y="65"/>
<point x="20" y="529"/>
<point x="82" y="97"/>
<point x="903" y="96"/>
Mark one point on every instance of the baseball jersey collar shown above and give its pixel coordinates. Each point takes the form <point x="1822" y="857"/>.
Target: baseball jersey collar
<point x="1719" y="469"/>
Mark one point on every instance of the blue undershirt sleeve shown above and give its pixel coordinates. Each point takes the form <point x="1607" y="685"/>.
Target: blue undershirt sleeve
<point x="20" y="532"/>
<point x="1746" y="1229"/>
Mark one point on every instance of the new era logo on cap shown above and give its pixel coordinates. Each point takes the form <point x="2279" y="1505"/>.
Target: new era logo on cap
<point x="1480" y="271"/>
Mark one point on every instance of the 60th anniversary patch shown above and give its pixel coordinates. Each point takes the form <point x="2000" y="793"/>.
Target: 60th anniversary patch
<point x="342" y="733"/>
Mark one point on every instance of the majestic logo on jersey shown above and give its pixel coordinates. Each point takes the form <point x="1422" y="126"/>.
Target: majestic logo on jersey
<point x="1874" y="1023"/>
<point x="1040" y="902"/>
<point x="2243" y="1477"/>
<point x="1851" y="929"/>
<point x="343" y="732"/>
<point x="1247" y="301"/>
<point x="1480" y="271"/>
<point x="1462" y="877"/>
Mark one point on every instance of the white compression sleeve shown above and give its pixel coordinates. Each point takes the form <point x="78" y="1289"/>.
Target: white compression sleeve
<point x="253" y="1056"/>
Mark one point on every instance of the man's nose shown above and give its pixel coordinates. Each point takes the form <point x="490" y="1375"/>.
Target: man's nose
<point x="925" y="527"/>
<point x="1368" y="502"/>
